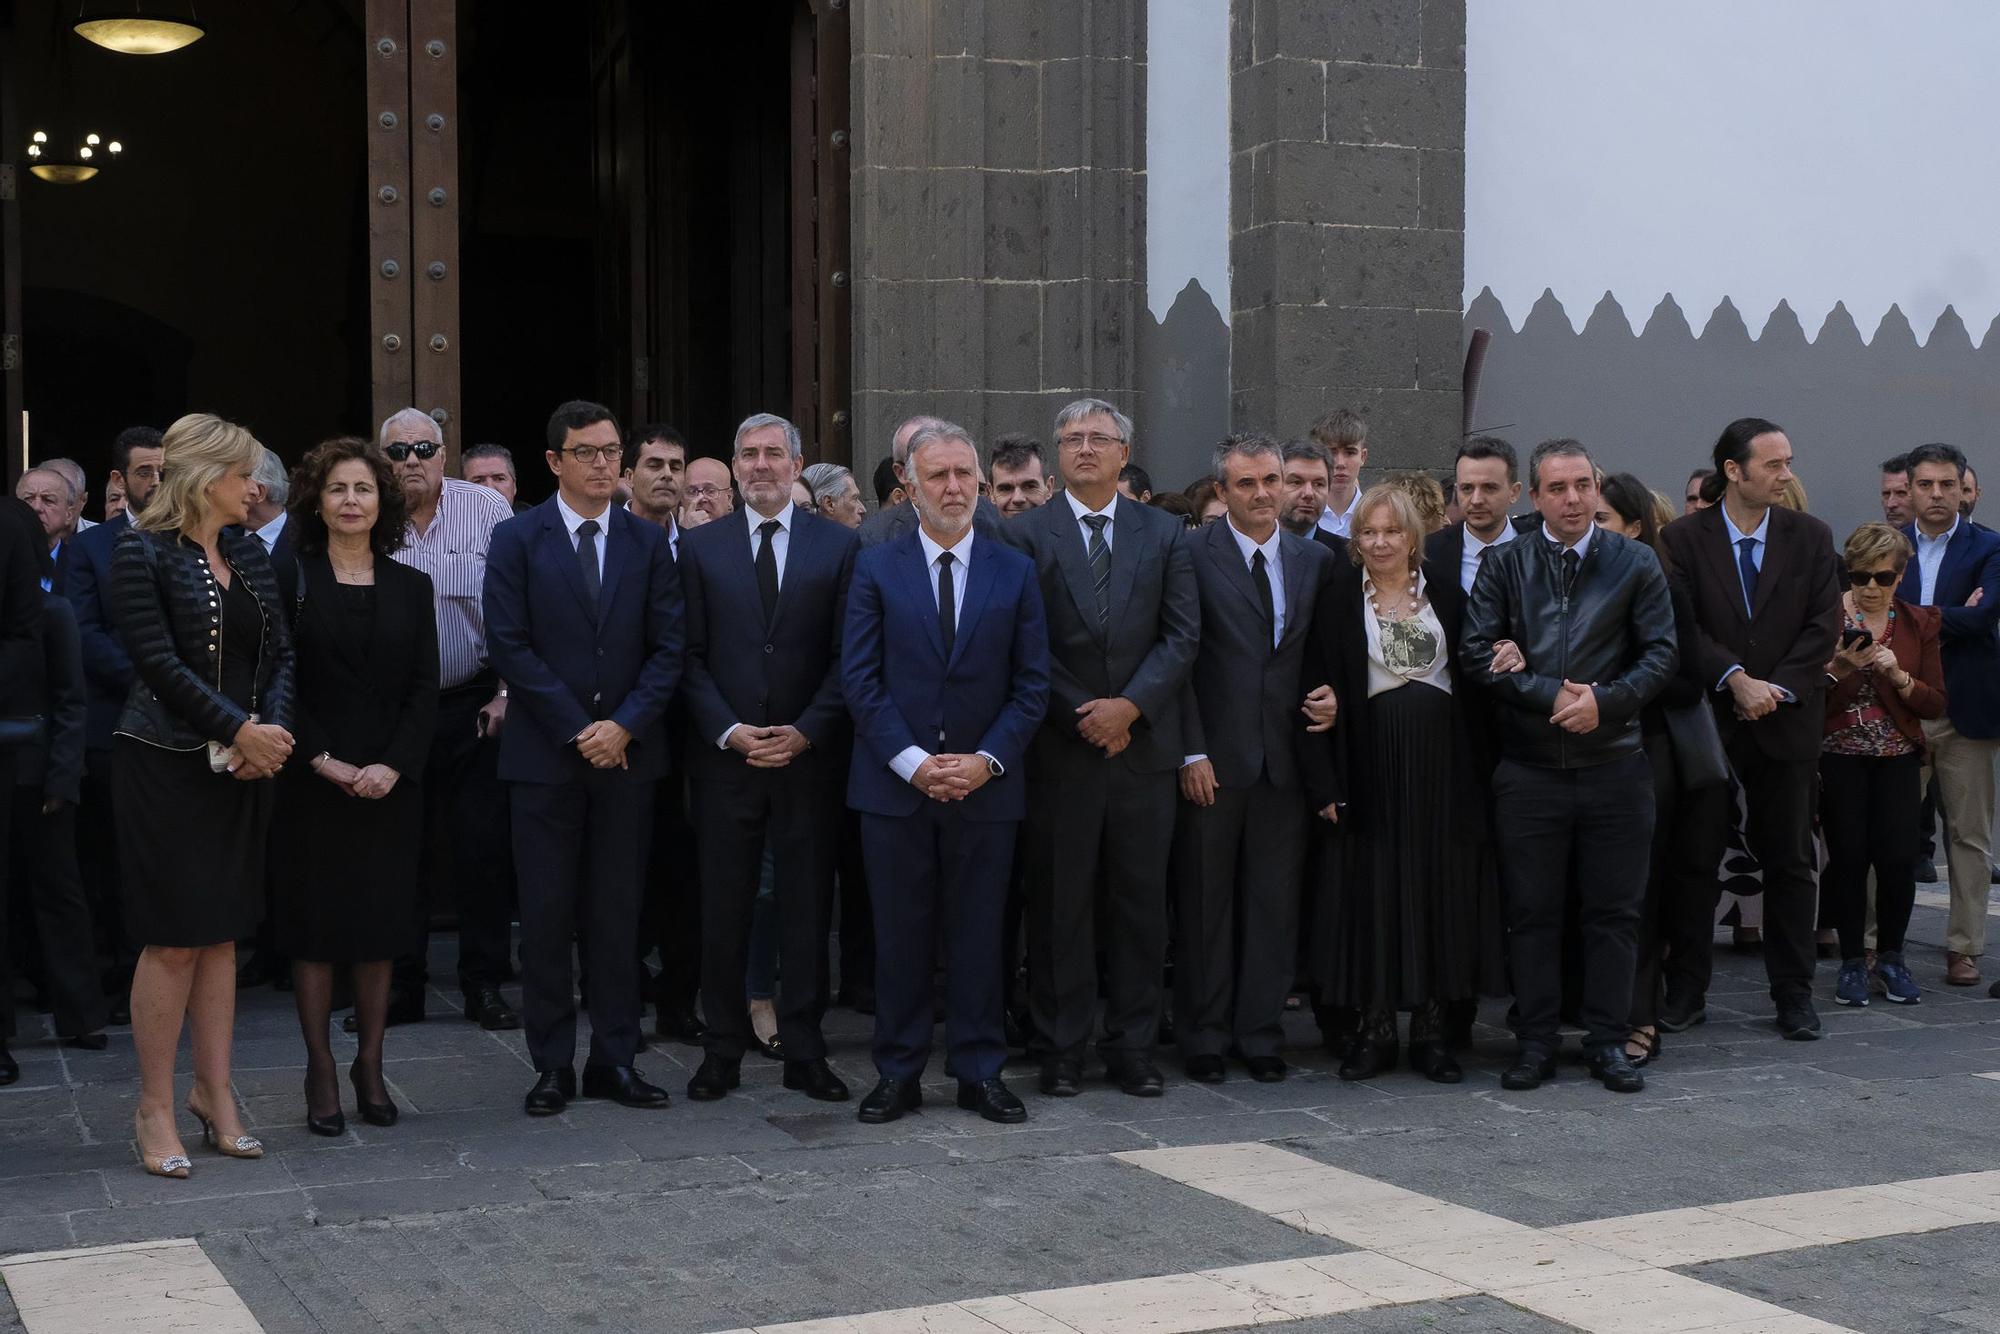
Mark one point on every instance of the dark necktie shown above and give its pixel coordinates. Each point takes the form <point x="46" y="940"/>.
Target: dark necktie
<point x="1571" y="564"/>
<point x="767" y="569"/>
<point x="586" y="558"/>
<point x="1100" y="567"/>
<point x="1745" y="546"/>
<point x="947" y="604"/>
<point x="1261" y="577"/>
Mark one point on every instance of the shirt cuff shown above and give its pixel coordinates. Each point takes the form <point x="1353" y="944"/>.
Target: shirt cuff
<point x="1191" y="759"/>
<point x="722" y="742"/>
<point x="1785" y="694"/>
<point x="907" y="761"/>
<point x="1724" y="679"/>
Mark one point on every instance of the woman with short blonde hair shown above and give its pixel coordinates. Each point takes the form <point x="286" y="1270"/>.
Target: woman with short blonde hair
<point x="205" y="724"/>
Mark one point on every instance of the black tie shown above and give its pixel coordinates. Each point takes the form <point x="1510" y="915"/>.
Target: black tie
<point x="586" y="556"/>
<point x="1100" y="568"/>
<point x="1746" y="546"/>
<point x="1262" y="578"/>
<point x="947" y="608"/>
<point x="767" y="569"/>
<point x="1571" y="564"/>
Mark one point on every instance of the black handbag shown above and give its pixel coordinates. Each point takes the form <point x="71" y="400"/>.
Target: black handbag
<point x="1697" y="742"/>
<point x="32" y="730"/>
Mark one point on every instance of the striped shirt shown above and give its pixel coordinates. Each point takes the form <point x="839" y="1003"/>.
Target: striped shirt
<point x="453" y="553"/>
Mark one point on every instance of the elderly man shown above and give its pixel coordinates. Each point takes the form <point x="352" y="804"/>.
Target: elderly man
<point x="705" y="494"/>
<point x="49" y="494"/>
<point x="79" y="482"/>
<point x="451" y="526"/>
<point x="492" y="466"/>
<point x="267" y="521"/>
<point x="900" y="519"/>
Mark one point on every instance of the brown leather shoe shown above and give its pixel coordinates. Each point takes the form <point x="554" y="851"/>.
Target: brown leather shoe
<point x="1960" y="970"/>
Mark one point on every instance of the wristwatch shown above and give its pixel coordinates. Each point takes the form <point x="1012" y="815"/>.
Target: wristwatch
<point x="995" y="768"/>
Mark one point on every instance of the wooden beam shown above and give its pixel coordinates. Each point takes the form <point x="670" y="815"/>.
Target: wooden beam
<point x="433" y="209"/>
<point x="835" y="304"/>
<point x="387" y="31"/>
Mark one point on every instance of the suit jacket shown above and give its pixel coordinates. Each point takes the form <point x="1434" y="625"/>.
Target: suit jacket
<point x="1789" y="639"/>
<point x="83" y="575"/>
<point x="740" y="670"/>
<point x="1968" y="637"/>
<point x="365" y="701"/>
<point x="565" y="666"/>
<point x="901" y="520"/>
<point x="1149" y="648"/>
<point x="56" y="766"/>
<point x="1914" y="641"/>
<point x="1241" y="702"/>
<point x="20" y="608"/>
<point x="989" y="696"/>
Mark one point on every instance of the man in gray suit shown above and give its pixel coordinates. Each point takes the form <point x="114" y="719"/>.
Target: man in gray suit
<point x="893" y="521"/>
<point x="1123" y="615"/>
<point x="1240" y="845"/>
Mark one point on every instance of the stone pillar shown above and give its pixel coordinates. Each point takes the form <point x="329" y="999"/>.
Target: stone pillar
<point x="998" y="211"/>
<point x="1347" y="218"/>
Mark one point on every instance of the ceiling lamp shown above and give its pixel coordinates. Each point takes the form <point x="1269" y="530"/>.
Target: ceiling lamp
<point x="135" y="32"/>
<point x="78" y="166"/>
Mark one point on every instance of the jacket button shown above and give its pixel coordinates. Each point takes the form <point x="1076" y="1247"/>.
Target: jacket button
<point x="769" y="649"/>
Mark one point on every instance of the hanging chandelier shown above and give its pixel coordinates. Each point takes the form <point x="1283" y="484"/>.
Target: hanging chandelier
<point x="134" y="32"/>
<point x="72" y="168"/>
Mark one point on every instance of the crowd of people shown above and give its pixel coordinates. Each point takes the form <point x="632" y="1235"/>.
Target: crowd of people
<point x="1074" y="763"/>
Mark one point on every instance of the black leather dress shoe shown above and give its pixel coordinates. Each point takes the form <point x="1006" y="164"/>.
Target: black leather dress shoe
<point x="992" y="1099"/>
<point x="1611" y="1067"/>
<point x="681" y="1026"/>
<point x="1365" y="1060"/>
<point x="1135" y="1075"/>
<point x="485" y="1007"/>
<point x="1266" y="1069"/>
<point x="815" y="1079"/>
<point x="623" y="1085"/>
<point x="714" y="1079"/>
<point x="1681" y="1013"/>
<point x="87" y="1042"/>
<point x="1207" y="1069"/>
<point x="10" y="1070"/>
<point x="1798" y="1020"/>
<point x="1459" y="1017"/>
<point x="1062" y="1077"/>
<point x="889" y="1100"/>
<point x="552" y="1091"/>
<point x="1531" y="1069"/>
<point x="1434" y="1061"/>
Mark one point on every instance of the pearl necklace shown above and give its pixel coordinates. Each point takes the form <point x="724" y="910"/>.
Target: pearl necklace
<point x="1405" y="607"/>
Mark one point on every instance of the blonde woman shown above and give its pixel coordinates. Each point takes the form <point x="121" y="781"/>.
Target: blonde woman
<point x="205" y="725"/>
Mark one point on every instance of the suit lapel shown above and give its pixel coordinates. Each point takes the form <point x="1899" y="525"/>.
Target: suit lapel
<point x="798" y="550"/>
<point x="1292" y="557"/>
<point x="1074" y="560"/>
<point x="1230" y="558"/>
<point x="978" y="585"/>
<point x="1957" y="555"/>
<point x="917" y="587"/>
<point x="1716" y="549"/>
<point x="1126" y="553"/>
<point x="1911" y="590"/>
<point x="618" y="543"/>
<point x="555" y="534"/>
<point x="323" y="605"/>
<point x="1777" y="555"/>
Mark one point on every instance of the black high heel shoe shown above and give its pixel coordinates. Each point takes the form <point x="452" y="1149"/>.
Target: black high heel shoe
<point x="374" y="1113"/>
<point x="329" y="1126"/>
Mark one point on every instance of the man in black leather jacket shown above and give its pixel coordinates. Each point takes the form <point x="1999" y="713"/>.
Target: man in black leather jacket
<point x="1572" y="630"/>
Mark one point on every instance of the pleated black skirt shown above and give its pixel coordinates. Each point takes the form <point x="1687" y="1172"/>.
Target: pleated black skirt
<point x="190" y="846"/>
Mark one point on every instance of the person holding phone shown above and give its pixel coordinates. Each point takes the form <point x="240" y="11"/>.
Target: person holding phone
<point x="1885" y="679"/>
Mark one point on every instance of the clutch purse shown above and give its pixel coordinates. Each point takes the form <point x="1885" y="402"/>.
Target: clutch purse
<point x="1697" y="743"/>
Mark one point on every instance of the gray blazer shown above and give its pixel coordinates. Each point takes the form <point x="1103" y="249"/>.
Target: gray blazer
<point x="1155" y="628"/>
<point x="889" y="524"/>
<point x="1240" y="706"/>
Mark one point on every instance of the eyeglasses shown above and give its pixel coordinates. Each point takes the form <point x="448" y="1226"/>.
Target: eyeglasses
<point x="589" y="454"/>
<point x="1097" y="441"/>
<point x="703" y="489"/>
<point x="1880" y="578"/>
<point x="402" y="449"/>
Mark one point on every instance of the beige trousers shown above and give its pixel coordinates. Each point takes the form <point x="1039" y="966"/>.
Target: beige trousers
<point x="1964" y="769"/>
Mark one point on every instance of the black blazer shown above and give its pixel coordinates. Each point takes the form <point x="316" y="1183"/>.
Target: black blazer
<point x="20" y="608"/>
<point x="56" y="766"/>
<point x="372" y="702"/>
<point x="739" y="670"/>
<point x="1155" y="628"/>
<point x="1790" y="638"/>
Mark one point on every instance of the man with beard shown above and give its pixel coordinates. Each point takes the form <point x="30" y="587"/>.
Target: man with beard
<point x="1487" y="483"/>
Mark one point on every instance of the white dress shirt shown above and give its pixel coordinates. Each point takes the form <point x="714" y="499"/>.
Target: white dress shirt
<point x="1110" y="511"/>
<point x="268" y="534"/>
<point x="911" y="758"/>
<point x="1341" y="524"/>
<point x="781" y="543"/>
<point x="1468" y="564"/>
<point x="573" y="521"/>
<point x="1930" y="559"/>
<point x="1759" y="544"/>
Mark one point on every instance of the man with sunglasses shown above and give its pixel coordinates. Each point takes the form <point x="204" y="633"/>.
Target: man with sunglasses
<point x="451" y="526"/>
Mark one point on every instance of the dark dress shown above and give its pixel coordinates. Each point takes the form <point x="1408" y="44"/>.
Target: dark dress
<point x="367" y="694"/>
<point x="182" y="891"/>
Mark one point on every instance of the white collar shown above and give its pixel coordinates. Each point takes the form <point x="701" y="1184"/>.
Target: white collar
<point x="1942" y="537"/>
<point x="269" y="532"/>
<point x="1352" y="501"/>
<point x="1248" y="546"/>
<point x="1473" y="544"/>
<point x="573" y="521"/>
<point x="1081" y="510"/>
<point x="783" y="516"/>
<point x="1582" y="547"/>
<point x="1736" y="534"/>
<point x="961" y="550"/>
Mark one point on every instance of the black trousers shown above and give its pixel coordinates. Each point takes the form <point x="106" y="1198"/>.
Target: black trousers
<point x="1591" y="828"/>
<point x="1100" y="838"/>
<point x="581" y="848"/>
<point x="45" y="882"/>
<point x="1870" y="807"/>
<point x="1684" y="822"/>
<point x="465" y="808"/>
<point x="97" y="859"/>
<point x="1237" y="866"/>
<point x="857" y="915"/>
<point x="799" y="821"/>
<point x="672" y="911"/>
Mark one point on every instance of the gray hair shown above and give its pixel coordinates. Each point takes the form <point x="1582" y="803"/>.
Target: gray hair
<point x="56" y="473"/>
<point x="757" y="421"/>
<point x="1244" y="446"/>
<point x="913" y="425"/>
<point x="409" y="418"/>
<point x="477" y="452"/>
<point x="1556" y="449"/>
<point x="937" y="433"/>
<point x="825" y="479"/>
<point x="1090" y="407"/>
<point x="270" y="474"/>
<point x="71" y="473"/>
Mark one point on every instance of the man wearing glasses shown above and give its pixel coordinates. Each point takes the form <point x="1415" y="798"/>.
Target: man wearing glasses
<point x="451" y="526"/>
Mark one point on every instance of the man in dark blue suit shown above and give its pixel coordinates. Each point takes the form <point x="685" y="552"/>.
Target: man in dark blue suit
<point x="945" y="667"/>
<point x="1957" y="570"/>
<point x="583" y="622"/>
<point x="766" y="590"/>
<point x="83" y="575"/>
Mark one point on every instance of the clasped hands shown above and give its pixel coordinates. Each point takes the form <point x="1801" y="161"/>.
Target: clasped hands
<point x="1576" y="702"/>
<point x="951" y="777"/>
<point x="1107" y="723"/>
<point x="371" y="782"/>
<point x="767" y="747"/>
<point x="261" y="750"/>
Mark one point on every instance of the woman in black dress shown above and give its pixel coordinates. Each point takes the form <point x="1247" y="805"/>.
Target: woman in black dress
<point x="1409" y="915"/>
<point x="351" y="818"/>
<point x="207" y="721"/>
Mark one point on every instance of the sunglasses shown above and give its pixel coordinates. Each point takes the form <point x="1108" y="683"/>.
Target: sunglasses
<point x="1880" y="578"/>
<point x="402" y="449"/>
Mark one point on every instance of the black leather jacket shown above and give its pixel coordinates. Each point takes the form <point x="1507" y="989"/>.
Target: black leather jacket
<point x="167" y="606"/>
<point x="1613" y="631"/>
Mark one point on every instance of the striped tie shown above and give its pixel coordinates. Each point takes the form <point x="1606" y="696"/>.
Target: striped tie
<point x="1100" y="568"/>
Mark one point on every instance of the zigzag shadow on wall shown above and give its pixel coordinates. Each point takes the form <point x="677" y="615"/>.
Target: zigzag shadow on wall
<point x="1607" y="325"/>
